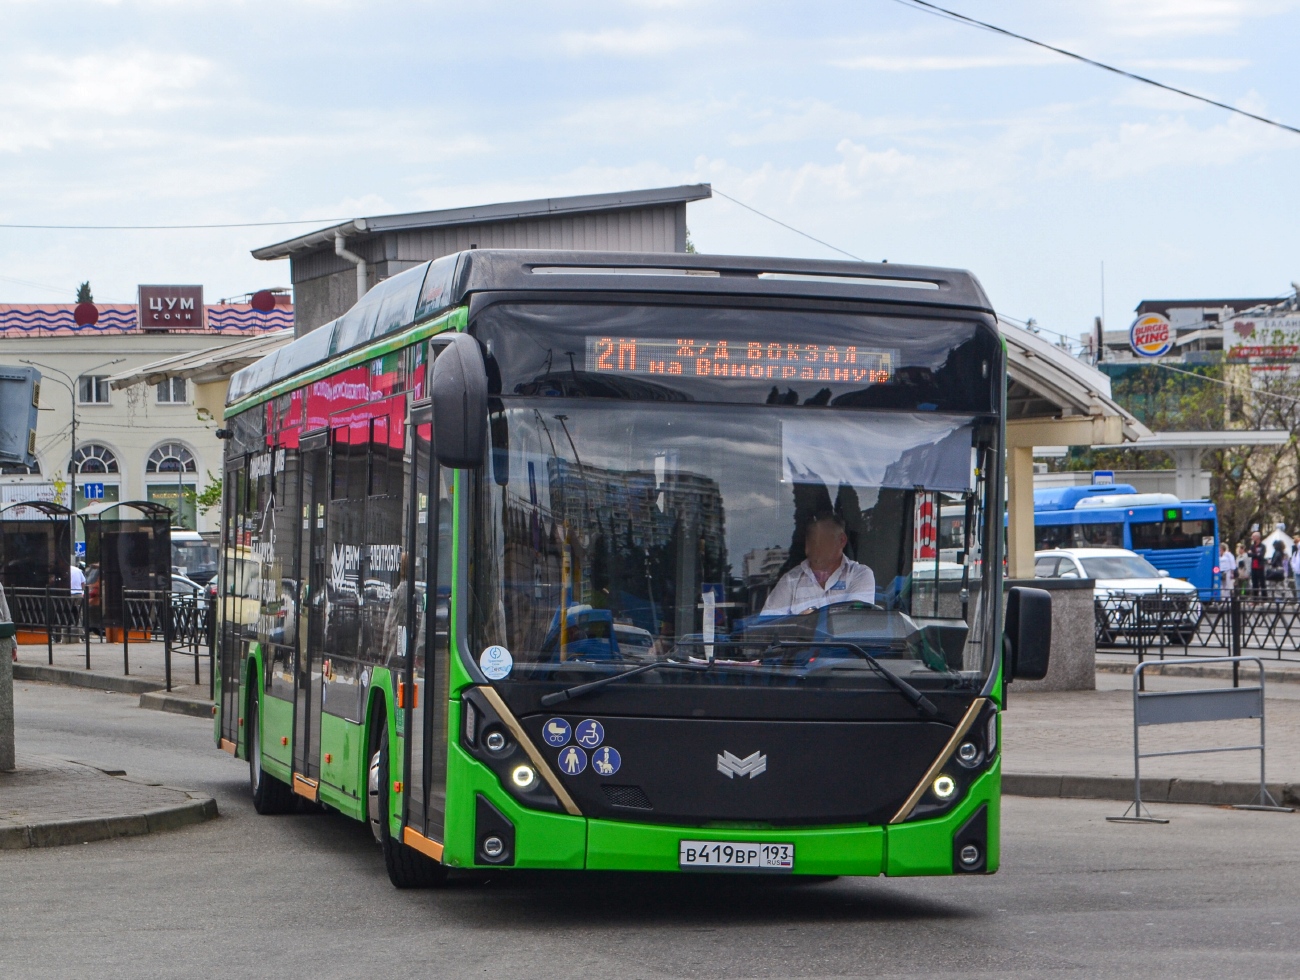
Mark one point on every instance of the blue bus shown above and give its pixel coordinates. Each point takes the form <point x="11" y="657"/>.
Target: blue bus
<point x="1180" y="536"/>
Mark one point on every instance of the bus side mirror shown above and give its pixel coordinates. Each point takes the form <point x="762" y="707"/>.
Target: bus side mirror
<point x="1028" y="632"/>
<point x="460" y="403"/>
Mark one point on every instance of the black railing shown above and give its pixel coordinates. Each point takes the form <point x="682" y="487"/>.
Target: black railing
<point x="61" y="614"/>
<point x="184" y="623"/>
<point x="1180" y="624"/>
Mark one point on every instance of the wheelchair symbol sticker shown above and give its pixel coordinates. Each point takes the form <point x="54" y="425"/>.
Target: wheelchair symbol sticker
<point x="572" y="761"/>
<point x="556" y="732"/>
<point x="589" y="733"/>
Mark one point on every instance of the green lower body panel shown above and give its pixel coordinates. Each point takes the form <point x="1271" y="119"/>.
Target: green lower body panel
<point x="342" y="776"/>
<point x="277" y="723"/>
<point x="542" y="840"/>
<point x="616" y="846"/>
<point x="925" y="846"/>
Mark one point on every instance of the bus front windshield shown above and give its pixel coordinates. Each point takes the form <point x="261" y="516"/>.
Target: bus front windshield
<point x="752" y="545"/>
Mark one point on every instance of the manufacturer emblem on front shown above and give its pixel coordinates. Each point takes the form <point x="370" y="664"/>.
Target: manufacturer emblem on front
<point x="732" y="765"/>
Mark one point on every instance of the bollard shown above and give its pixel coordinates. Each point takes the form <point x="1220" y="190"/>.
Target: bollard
<point x="8" y="645"/>
<point x="85" y="621"/>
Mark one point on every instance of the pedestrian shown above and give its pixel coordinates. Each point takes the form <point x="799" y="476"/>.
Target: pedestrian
<point x="1275" y="573"/>
<point x="1227" y="569"/>
<point x="1243" y="567"/>
<point x="1294" y="566"/>
<point x="1258" y="556"/>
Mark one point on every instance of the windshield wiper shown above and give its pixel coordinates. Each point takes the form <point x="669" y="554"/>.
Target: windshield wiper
<point x="577" y="691"/>
<point x="914" y="697"/>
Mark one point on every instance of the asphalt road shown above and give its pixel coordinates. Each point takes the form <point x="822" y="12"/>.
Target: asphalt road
<point x="1215" y="893"/>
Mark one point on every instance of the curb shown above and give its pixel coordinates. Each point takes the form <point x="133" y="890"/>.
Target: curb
<point x="83" y="678"/>
<point x="58" y="833"/>
<point x="1206" y="792"/>
<point x="1273" y="675"/>
<point x="176" y="704"/>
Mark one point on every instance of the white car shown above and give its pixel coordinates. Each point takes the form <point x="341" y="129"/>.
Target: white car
<point x="1121" y="575"/>
<point x="1115" y="570"/>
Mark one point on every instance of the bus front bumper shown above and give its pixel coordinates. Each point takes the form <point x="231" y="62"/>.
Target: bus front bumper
<point x="549" y="840"/>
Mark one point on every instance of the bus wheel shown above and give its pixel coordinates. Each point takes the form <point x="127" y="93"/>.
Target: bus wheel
<point x="407" y="867"/>
<point x="269" y="794"/>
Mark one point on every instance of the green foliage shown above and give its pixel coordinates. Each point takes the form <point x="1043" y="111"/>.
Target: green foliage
<point x="1250" y="484"/>
<point x="210" y="495"/>
<point x="690" y="245"/>
<point x="84" y="295"/>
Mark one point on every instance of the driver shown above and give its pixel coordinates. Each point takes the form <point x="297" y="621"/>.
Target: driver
<point x="825" y="576"/>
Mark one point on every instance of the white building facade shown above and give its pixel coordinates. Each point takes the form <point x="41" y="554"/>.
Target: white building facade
<point x="147" y="442"/>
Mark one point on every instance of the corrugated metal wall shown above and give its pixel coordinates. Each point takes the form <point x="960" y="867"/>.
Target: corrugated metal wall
<point x="324" y="285"/>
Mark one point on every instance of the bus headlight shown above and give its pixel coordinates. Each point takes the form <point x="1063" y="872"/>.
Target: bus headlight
<point x="944" y="787"/>
<point x="525" y="777"/>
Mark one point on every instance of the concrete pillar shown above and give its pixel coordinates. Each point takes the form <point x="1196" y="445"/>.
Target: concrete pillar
<point x="1187" y="467"/>
<point x="1020" y="512"/>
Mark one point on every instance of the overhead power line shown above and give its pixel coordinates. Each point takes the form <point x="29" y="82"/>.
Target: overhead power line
<point x="237" y="224"/>
<point x="1228" y="384"/>
<point x="947" y="14"/>
<point x="811" y="238"/>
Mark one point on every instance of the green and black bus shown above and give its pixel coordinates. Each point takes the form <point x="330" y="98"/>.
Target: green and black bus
<point x="543" y="559"/>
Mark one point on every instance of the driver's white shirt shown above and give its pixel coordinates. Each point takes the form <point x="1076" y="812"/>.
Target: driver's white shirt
<point x="799" y="590"/>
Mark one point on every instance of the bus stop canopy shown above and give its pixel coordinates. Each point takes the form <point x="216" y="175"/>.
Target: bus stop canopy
<point x="35" y="545"/>
<point x="1053" y="399"/>
<point x="1187" y="448"/>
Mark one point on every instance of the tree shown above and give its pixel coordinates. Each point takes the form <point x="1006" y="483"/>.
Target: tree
<point x="210" y="495"/>
<point x="690" y="245"/>
<point x="84" y="295"/>
<point x="1250" y="484"/>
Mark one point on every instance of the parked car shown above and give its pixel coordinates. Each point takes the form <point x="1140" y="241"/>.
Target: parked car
<point x="183" y="585"/>
<point x="1120" y="577"/>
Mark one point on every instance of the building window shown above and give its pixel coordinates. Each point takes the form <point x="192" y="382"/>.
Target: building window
<point x="172" y="392"/>
<point x="94" y="458"/>
<point x="171" y="457"/>
<point x="92" y="389"/>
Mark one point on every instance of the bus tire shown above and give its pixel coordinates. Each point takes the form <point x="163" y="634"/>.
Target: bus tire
<point x="269" y="794"/>
<point x="407" y="867"/>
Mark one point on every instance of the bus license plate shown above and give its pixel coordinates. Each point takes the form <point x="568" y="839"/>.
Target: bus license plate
<point x="736" y="856"/>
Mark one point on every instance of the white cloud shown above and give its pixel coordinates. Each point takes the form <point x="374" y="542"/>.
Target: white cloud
<point x="945" y="62"/>
<point x="1162" y="18"/>
<point x="648" y="40"/>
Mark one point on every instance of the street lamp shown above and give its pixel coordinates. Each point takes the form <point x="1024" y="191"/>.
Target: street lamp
<point x="71" y="386"/>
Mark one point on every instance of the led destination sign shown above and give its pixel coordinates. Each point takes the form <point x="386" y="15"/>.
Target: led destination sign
<point x="757" y="360"/>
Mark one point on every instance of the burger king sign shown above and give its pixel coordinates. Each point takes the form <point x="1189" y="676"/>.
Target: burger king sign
<point x="1150" y="335"/>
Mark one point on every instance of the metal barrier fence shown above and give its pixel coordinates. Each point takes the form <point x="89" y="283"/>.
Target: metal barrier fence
<point x="1206" y="704"/>
<point x="184" y="623"/>
<point x="181" y="621"/>
<point x="1178" y="624"/>
<point x="57" y="612"/>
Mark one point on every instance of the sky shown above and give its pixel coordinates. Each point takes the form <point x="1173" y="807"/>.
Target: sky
<point x="884" y="131"/>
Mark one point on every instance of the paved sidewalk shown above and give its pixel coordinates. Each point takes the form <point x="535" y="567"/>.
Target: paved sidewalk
<point x="1080" y="743"/>
<point x="48" y="802"/>
<point x="147" y="676"/>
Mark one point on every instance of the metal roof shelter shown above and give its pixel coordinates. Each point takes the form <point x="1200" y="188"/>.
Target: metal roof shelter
<point x="1053" y="399"/>
<point x="1187" y="448"/>
<point x="205" y="366"/>
<point x="325" y="264"/>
